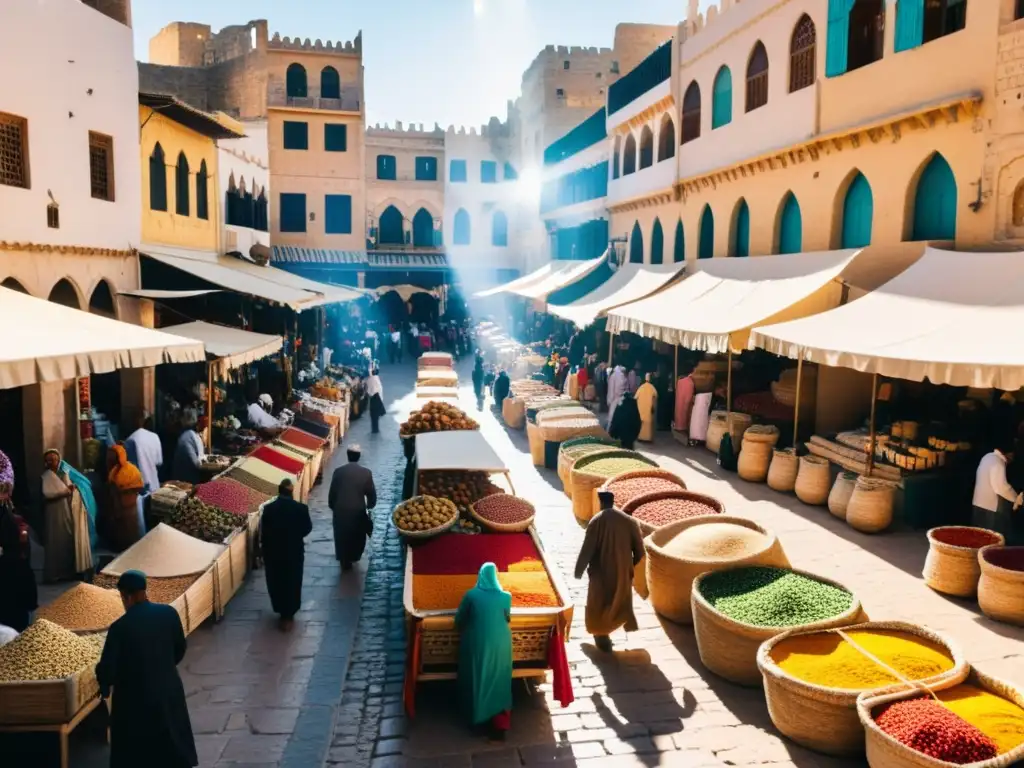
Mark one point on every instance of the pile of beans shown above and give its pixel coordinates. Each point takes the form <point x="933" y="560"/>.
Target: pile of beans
<point x="45" y="651"/>
<point x="1010" y="558"/>
<point x="230" y="496"/>
<point x="632" y="487"/>
<point x="773" y="597"/>
<point x="970" y="538"/>
<point x="613" y="465"/>
<point x="84" y="607"/>
<point x="716" y="540"/>
<point x="927" y="727"/>
<point x="672" y="510"/>
<point x="503" y="509"/>
<point x="160" y="590"/>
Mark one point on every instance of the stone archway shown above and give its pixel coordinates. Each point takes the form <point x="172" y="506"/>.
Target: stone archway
<point x="102" y="301"/>
<point x="65" y="293"/>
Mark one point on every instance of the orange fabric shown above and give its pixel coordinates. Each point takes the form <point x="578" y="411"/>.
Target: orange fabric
<point x="409" y="689"/>
<point x="125" y="475"/>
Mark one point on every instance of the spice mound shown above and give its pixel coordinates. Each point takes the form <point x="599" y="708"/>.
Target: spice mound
<point x="1010" y="558"/>
<point x="672" y="510"/>
<point x="423" y="513"/>
<point x="633" y="487"/>
<point x="84" y="608"/>
<point x="165" y="551"/>
<point x="928" y="727"/>
<point x="529" y="589"/>
<point x="198" y="519"/>
<point x="970" y="538"/>
<point x="610" y="466"/>
<point x="826" y="659"/>
<point x="230" y="496"/>
<point x="716" y="541"/>
<point x="999" y="719"/>
<point x="502" y="509"/>
<point x="773" y="597"/>
<point x="159" y="590"/>
<point x="45" y="651"/>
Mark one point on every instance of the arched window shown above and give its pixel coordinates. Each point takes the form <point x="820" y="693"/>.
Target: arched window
<point x="657" y="243"/>
<point x="202" y="192"/>
<point x="721" y="99"/>
<point x="802" y="53"/>
<point x="706" y="236"/>
<point x="666" y="138"/>
<point x="691" y="114"/>
<point x="423" y="229"/>
<point x="390" y="229"/>
<point x="636" y="245"/>
<point x="262" y="214"/>
<point x="741" y="230"/>
<point x="181" y="190"/>
<point x="616" y="152"/>
<point x="102" y="301"/>
<point x="791" y="226"/>
<point x="1017" y="214"/>
<point x="64" y="293"/>
<point x="11" y="284"/>
<point x="499" y="229"/>
<point x="295" y="82"/>
<point x="157" y="180"/>
<point x="935" y="202"/>
<point x="757" y="77"/>
<point x="646" y="147"/>
<point x="679" y="248"/>
<point x="330" y="83"/>
<point x="629" y="156"/>
<point x="461" y="233"/>
<point x="865" y="38"/>
<point x="858" y="214"/>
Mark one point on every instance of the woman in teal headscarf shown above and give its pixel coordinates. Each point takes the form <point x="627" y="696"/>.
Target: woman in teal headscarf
<point x="485" y="652"/>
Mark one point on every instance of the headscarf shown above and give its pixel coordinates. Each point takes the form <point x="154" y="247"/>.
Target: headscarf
<point x="124" y="475"/>
<point x="6" y="476"/>
<point x="487" y="579"/>
<point x="84" y="487"/>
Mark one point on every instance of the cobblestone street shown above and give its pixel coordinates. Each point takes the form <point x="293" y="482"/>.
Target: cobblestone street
<point x="330" y="691"/>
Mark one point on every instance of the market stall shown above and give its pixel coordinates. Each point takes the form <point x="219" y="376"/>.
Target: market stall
<point x="631" y="282"/>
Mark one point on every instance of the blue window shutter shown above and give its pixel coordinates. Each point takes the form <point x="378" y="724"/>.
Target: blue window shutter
<point x="335" y="137"/>
<point x="636" y="245"/>
<point x="499" y="230"/>
<point x="426" y="169"/>
<point x="293" y="212"/>
<point x="423" y="229"/>
<point x="791" y="227"/>
<point x="392" y="227"/>
<point x="386" y="168"/>
<point x="462" y="234"/>
<point x="338" y="214"/>
<point x="706" y="249"/>
<point x="457" y="171"/>
<point x="488" y="172"/>
<point x="909" y="24"/>
<point x="858" y="214"/>
<point x="836" y="54"/>
<point x="721" y="105"/>
<point x="935" y="202"/>
<point x="657" y="243"/>
<point x="510" y="172"/>
<point x="679" y="249"/>
<point x="742" y="246"/>
<point x="296" y="135"/>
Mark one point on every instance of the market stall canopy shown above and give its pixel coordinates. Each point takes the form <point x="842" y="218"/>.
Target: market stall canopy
<point x="563" y="274"/>
<point x="232" y="346"/>
<point x="267" y="283"/>
<point x="51" y="342"/>
<point x="519" y="282"/>
<point x="158" y="294"/>
<point x="465" y="449"/>
<point x="405" y="291"/>
<point x="717" y="305"/>
<point x="630" y="283"/>
<point x="938" y="319"/>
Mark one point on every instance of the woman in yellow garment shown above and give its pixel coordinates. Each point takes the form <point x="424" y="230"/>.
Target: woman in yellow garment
<point x="125" y="483"/>
<point x="647" y="402"/>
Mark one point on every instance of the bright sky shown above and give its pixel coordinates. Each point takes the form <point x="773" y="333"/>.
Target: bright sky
<point x="457" y="63"/>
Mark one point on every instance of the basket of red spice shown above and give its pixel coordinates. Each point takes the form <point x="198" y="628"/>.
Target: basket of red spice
<point x="952" y="565"/>
<point x="1001" y="586"/>
<point x="977" y="722"/>
<point x="503" y="512"/>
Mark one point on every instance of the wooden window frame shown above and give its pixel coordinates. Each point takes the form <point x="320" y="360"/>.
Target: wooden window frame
<point x="757" y="82"/>
<point x="803" y="62"/>
<point x="690" y="117"/>
<point x="101" y="142"/>
<point x="20" y="179"/>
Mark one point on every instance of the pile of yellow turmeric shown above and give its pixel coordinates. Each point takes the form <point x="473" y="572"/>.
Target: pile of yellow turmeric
<point x="529" y="587"/>
<point x="999" y="719"/>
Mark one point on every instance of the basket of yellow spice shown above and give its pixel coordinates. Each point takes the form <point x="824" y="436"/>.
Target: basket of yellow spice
<point x="979" y="722"/>
<point x="737" y="609"/>
<point x="812" y="678"/>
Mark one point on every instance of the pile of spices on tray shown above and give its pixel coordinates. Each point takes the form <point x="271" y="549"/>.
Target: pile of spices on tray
<point x="773" y="597"/>
<point x="714" y="541"/>
<point x="279" y="460"/>
<point x="249" y="480"/>
<point x="962" y="536"/>
<point x="84" y="608"/>
<point x="529" y="589"/>
<point x="629" y="488"/>
<point x="1010" y="558"/>
<point x="198" y="519"/>
<point x="45" y="651"/>
<point x="826" y="659"/>
<point x="230" y="496"/>
<point x="999" y="719"/>
<point x="301" y="439"/>
<point x="927" y="727"/>
<point x="661" y="512"/>
<point x="459" y="555"/>
<point x="165" y="589"/>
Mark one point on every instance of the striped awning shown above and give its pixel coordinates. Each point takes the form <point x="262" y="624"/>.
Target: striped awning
<point x="360" y="260"/>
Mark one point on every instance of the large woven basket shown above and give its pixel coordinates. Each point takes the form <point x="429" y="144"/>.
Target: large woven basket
<point x="1000" y="590"/>
<point x="659" y="474"/>
<point x="783" y="470"/>
<point x="717" y="427"/>
<point x="583" y="483"/>
<point x="813" y="480"/>
<point x="839" y="496"/>
<point x="534" y="407"/>
<point x="951" y="569"/>
<point x="761" y="433"/>
<point x="536" y="442"/>
<point x="670" y="578"/>
<point x="738" y="424"/>
<point x="870" y="508"/>
<point x="825" y="719"/>
<point x="883" y="751"/>
<point x="513" y="412"/>
<point x="729" y="648"/>
<point x="560" y="431"/>
<point x="755" y="459"/>
<point x="575" y="448"/>
<point x="431" y="532"/>
<point x="504" y="527"/>
<point x="566" y="413"/>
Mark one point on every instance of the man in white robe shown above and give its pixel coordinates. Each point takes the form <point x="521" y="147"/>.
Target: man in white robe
<point x="617" y="386"/>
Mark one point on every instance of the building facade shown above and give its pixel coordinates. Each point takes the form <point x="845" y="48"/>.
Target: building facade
<point x="243" y="177"/>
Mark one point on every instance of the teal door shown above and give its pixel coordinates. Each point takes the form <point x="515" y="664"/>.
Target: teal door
<point x="721" y="100"/>
<point x="707" y="234"/>
<point x="657" y="243"/>
<point x="741" y="236"/>
<point x="679" y="249"/>
<point x="791" y="226"/>
<point x="636" y="245"/>
<point x="935" y="202"/>
<point x="858" y="214"/>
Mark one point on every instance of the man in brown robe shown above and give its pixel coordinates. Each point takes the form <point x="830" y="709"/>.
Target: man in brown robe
<point x="612" y="547"/>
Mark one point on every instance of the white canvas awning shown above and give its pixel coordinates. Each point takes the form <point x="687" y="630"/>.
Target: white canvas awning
<point x="268" y="283"/>
<point x="716" y="306"/>
<point x="156" y="294"/>
<point x="51" y="342"/>
<point x="562" y="274"/>
<point x="950" y="317"/>
<point x="232" y="346"/>
<point x="519" y="282"/>
<point x="465" y="449"/>
<point x="630" y="283"/>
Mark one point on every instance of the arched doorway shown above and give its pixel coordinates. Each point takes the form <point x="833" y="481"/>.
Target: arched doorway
<point x="391" y="230"/>
<point x="14" y="285"/>
<point x="64" y="293"/>
<point x="423" y="229"/>
<point x="102" y="301"/>
<point x="636" y="245"/>
<point x="706" y="236"/>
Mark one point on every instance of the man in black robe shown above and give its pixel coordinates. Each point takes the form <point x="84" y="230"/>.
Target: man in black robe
<point x="284" y="525"/>
<point x="149" y="723"/>
<point x="352" y="492"/>
<point x="625" y="426"/>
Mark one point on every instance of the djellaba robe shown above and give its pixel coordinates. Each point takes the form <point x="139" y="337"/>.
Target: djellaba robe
<point x="284" y="525"/>
<point x="647" y="403"/>
<point x="485" y="647"/>
<point x="685" y="390"/>
<point x="612" y="547"/>
<point x="149" y="722"/>
<point x="351" y="494"/>
<point x="617" y="387"/>
<point x="625" y="423"/>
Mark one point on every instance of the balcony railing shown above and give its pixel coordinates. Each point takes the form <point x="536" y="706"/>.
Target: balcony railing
<point x="351" y="98"/>
<point x="586" y="134"/>
<point x="655" y="69"/>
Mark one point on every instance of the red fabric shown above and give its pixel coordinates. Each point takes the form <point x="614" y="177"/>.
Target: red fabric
<point x="411" y="669"/>
<point x="425" y="344"/>
<point x="502" y="721"/>
<point x="558" y="662"/>
<point x="456" y="554"/>
<point x="303" y="440"/>
<point x="277" y="459"/>
<point x="581" y="380"/>
<point x="764" y="405"/>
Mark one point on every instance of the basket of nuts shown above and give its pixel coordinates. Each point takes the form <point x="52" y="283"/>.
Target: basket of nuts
<point x="422" y="517"/>
<point x="503" y="512"/>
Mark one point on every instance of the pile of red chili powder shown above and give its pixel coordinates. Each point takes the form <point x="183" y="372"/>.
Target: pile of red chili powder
<point x="928" y="727"/>
<point x="970" y="538"/>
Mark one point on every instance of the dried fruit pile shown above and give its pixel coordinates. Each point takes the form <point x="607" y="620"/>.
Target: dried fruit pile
<point x="198" y="519"/>
<point x="423" y="513"/>
<point x="159" y="590"/>
<point x="461" y="486"/>
<point x="45" y="651"/>
<point x="672" y="510"/>
<point x="437" y="417"/>
<point x="84" y="608"/>
<point x="631" y="487"/>
<point x="230" y="496"/>
<point x="503" y="509"/>
<point x="927" y="727"/>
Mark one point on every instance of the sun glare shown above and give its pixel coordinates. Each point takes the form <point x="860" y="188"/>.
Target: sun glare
<point x="528" y="188"/>
<point x="478" y="8"/>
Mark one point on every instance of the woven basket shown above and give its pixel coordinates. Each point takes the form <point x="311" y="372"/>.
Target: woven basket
<point x="813" y="480"/>
<point x="871" y="504"/>
<point x="782" y="471"/>
<point x="755" y="459"/>
<point x="561" y="431"/>
<point x="536" y="442"/>
<point x="718" y="508"/>
<point x="574" y="449"/>
<point x="503" y="527"/>
<point x="717" y="427"/>
<point x="513" y="412"/>
<point x="839" y="496"/>
<point x="883" y="751"/>
<point x="669" y="578"/>
<point x="761" y="433"/>
<point x="954" y="570"/>
<point x="567" y="413"/>
<point x="729" y="648"/>
<point x="428" y="534"/>
<point x="661" y="474"/>
<point x="738" y="424"/>
<point x="583" y="483"/>
<point x="1000" y="590"/>
<point x="825" y="719"/>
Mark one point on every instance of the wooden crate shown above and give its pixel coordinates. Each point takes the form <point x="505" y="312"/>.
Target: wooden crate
<point x="229" y="569"/>
<point x="47" y="702"/>
<point x="196" y="604"/>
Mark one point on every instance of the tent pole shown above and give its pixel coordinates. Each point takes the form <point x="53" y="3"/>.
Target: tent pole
<point x="675" y="369"/>
<point x="611" y="347"/>
<point x="209" y="406"/>
<point x="796" y="406"/>
<point x="873" y="434"/>
<point x="728" y="387"/>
